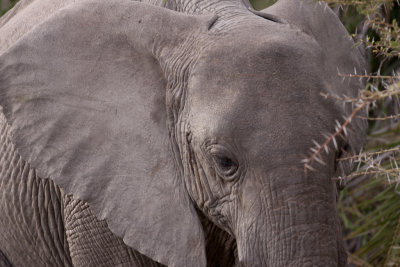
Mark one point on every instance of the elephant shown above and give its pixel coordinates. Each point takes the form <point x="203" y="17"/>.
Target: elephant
<point x="172" y="133"/>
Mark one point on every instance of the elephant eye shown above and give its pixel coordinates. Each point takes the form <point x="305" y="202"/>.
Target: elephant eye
<point x="226" y="164"/>
<point x="224" y="161"/>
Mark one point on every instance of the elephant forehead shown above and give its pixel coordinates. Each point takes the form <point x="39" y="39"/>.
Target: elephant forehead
<point x="257" y="66"/>
<point x="252" y="51"/>
<point x="260" y="93"/>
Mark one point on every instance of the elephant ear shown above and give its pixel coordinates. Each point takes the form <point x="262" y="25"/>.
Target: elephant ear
<point x="342" y="56"/>
<point x="86" y="102"/>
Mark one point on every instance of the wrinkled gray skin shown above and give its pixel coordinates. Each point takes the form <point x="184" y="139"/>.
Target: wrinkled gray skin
<point x="172" y="132"/>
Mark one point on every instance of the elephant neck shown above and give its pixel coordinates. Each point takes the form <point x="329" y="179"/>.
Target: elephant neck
<point x="229" y="12"/>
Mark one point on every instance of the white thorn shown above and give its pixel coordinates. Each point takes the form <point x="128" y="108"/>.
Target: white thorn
<point x="309" y="167"/>
<point x="345" y="131"/>
<point x="338" y="123"/>
<point x="320" y="161"/>
<point x="359" y="156"/>
<point x="326" y="135"/>
<point x="358" y="166"/>
<point x="326" y="149"/>
<point x="334" y="143"/>
<point x="316" y="143"/>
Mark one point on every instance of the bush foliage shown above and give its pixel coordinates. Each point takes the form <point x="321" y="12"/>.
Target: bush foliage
<point x="6" y="5"/>
<point x="370" y="204"/>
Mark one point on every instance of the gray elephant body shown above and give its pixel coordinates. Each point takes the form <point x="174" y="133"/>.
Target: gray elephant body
<point x="171" y="135"/>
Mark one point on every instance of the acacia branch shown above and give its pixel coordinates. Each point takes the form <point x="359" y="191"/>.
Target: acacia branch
<point x="371" y="154"/>
<point x="324" y="146"/>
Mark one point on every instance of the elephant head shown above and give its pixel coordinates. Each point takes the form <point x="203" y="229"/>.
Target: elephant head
<point x="149" y="115"/>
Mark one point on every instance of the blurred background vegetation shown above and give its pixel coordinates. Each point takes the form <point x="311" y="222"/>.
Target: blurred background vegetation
<point x="5" y="5"/>
<point x="369" y="204"/>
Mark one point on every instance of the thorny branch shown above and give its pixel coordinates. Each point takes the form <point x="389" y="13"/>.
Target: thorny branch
<point x="339" y="129"/>
<point x="371" y="154"/>
<point x="375" y="237"/>
<point x="365" y="99"/>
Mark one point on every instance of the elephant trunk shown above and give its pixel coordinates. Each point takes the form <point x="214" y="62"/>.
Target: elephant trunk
<point x="294" y="225"/>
